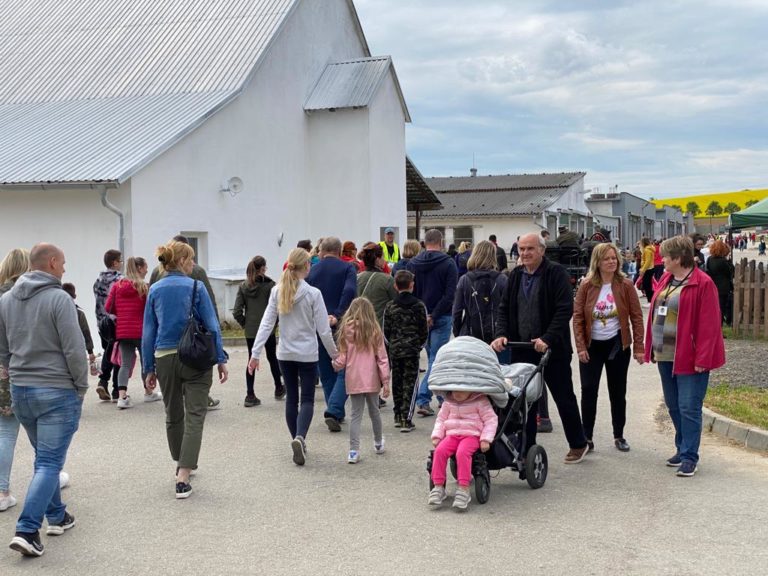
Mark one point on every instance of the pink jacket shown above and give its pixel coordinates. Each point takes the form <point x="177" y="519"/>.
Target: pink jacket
<point x="366" y="370"/>
<point x="699" y="339"/>
<point x="473" y="417"/>
<point x="128" y="306"/>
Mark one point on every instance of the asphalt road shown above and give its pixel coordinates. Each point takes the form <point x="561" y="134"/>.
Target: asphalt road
<point x="254" y="512"/>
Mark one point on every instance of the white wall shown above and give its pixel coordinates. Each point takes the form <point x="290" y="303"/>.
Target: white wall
<point x="387" y="162"/>
<point x="75" y="221"/>
<point x="506" y="229"/>
<point x="261" y="138"/>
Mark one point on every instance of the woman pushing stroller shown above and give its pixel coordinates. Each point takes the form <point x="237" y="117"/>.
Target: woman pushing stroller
<point x="465" y="424"/>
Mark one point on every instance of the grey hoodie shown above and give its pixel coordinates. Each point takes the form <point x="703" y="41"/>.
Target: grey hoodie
<point x="299" y="328"/>
<point x="40" y="337"/>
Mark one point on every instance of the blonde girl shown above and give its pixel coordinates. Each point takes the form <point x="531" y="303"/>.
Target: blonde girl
<point x="364" y="357"/>
<point x="302" y="314"/>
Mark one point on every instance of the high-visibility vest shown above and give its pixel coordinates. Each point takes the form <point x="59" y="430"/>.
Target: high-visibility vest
<point x="395" y="258"/>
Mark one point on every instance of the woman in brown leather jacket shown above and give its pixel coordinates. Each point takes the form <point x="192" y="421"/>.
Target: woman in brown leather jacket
<point x="606" y="306"/>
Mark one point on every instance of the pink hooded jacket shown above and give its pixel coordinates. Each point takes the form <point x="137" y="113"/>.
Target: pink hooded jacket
<point x="366" y="370"/>
<point x="473" y="417"/>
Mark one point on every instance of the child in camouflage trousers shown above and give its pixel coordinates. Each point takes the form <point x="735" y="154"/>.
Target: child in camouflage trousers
<point x="405" y="330"/>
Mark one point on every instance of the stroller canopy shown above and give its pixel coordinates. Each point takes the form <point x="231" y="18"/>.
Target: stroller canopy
<point x="467" y="364"/>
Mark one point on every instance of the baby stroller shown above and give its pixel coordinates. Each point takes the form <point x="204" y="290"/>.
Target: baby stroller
<point x="468" y="364"/>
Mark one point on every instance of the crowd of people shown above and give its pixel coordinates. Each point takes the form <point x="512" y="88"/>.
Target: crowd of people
<point x="356" y="322"/>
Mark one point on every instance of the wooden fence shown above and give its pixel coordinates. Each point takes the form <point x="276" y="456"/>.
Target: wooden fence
<point x="750" y="299"/>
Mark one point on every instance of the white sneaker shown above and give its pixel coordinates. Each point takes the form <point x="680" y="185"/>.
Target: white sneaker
<point x="154" y="397"/>
<point x="462" y="499"/>
<point x="378" y="447"/>
<point x="353" y="457"/>
<point x="123" y="403"/>
<point x="7" y="502"/>
<point x="63" y="480"/>
<point x="436" y="496"/>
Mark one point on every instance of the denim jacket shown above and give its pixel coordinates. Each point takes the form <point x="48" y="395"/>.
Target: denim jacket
<point x="166" y="315"/>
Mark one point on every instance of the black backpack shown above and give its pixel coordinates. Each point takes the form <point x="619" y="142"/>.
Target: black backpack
<point x="480" y="315"/>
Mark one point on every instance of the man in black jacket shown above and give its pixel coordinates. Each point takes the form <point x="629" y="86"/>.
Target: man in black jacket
<point x="537" y="307"/>
<point x="501" y="256"/>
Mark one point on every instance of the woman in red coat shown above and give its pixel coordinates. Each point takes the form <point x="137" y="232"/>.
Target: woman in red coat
<point x="126" y="301"/>
<point x="684" y="339"/>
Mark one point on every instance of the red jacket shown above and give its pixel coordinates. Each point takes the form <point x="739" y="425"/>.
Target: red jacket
<point x="126" y="304"/>
<point x="699" y="339"/>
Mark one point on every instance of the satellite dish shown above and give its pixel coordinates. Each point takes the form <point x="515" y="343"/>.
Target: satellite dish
<point x="232" y="185"/>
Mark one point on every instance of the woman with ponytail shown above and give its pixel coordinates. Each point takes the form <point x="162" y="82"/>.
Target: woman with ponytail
<point x="185" y="389"/>
<point x="302" y="314"/>
<point x="126" y="301"/>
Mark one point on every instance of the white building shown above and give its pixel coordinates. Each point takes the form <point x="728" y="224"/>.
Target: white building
<point x="244" y="125"/>
<point x="474" y="207"/>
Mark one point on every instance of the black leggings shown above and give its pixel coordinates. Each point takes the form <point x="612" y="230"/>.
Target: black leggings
<point x="616" y="371"/>
<point x="648" y="284"/>
<point x="271" y="349"/>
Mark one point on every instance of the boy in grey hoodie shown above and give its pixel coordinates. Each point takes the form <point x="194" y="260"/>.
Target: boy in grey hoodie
<point x="41" y="343"/>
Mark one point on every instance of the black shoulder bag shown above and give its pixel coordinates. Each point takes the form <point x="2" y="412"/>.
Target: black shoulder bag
<point x="197" y="347"/>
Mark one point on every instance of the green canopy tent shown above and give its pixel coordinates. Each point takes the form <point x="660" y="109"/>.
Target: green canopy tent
<point x="752" y="217"/>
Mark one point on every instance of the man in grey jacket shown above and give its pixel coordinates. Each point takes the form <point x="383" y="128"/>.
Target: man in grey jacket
<point x="41" y="343"/>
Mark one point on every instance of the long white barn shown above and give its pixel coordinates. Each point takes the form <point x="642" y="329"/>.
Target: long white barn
<point x="244" y="124"/>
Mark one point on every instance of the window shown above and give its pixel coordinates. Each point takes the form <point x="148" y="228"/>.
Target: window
<point x="463" y="234"/>
<point x="199" y="243"/>
<point x="413" y="234"/>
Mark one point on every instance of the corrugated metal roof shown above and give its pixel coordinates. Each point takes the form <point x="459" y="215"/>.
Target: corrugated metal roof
<point x="419" y="196"/>
<point x="53" y="50"/>
<point x="504" y="182"/>
<point x="506" y="203"/>
<point x="352" y="84"/>
<point x="95" y="140"/>
<point x="93" y="90"/>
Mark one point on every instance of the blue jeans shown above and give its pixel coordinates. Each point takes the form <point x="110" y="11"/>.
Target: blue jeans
<point x="338" y="397"/>
<point x="684" y="397"/>
<point x="9" y="431"/>
<point x="439" y="335"/>
<point x="299" y="380"/>
<point x="328" y="375"/>
<point x="51" y="417"/>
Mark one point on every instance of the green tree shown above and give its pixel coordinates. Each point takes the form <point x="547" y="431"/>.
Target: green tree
<point x="751" y="203"/>
<point x="731" y="207"/>
<point x="693" y="208"/>
<point x="676" y="206"/>
<point x="714" y="209"/>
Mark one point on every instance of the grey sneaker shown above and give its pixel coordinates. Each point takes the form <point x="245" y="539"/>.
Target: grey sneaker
<point x="213" y="403"/>
<point x="436" y="496"/>
<point x="60" y="527"/>
<point x="461" y="499"/>
<point x="378" y="447"/>
<point x="299" y="452"/>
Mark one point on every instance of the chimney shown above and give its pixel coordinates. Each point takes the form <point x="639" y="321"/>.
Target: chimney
<point x="473" y="172"/>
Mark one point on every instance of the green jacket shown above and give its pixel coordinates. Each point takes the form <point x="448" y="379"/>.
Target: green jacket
<point x="250" y="304"/>
<point x="5" y="382"/>
<point x="379" y="288"/>
<point x="198" y="273"/>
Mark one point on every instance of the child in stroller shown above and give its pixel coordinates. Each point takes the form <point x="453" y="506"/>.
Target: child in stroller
<point x="466" y="422"/>
<point x="469" y="365"/>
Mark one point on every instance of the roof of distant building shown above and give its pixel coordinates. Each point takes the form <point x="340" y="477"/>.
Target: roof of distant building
<point x="507" y="195"/>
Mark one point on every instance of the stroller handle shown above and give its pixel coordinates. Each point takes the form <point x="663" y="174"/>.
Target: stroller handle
<point x="529" y="346"/>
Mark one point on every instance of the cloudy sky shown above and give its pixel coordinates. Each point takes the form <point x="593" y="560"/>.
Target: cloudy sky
<point x="661" y="98"/>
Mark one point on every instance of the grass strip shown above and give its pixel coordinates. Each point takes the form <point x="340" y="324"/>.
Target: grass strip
<point x="745" y="404"/>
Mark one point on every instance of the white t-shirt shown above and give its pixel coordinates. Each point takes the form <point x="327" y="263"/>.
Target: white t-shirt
<point x="605" y="315"/>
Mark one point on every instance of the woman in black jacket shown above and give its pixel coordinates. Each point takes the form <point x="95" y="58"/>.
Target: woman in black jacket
<point x="250" y="304"/>
<point x="720" y="269"/>
<point x="478" y="296"/>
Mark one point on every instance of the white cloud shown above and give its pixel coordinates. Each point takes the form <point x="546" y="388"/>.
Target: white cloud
<point x="602" y="142"/>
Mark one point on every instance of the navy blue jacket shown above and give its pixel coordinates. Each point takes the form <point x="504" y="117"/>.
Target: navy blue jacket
<point x="337" y="282"/>
<point x="435" y="282"/>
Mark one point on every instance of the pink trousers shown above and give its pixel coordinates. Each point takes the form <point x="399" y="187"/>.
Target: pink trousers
<point x="464" y="447"/>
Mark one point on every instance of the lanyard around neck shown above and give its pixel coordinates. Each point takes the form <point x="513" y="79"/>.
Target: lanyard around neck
<point x="669" y="293"/>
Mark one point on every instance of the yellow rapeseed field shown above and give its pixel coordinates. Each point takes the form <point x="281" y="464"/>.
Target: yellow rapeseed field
<point x="703" y="200"/>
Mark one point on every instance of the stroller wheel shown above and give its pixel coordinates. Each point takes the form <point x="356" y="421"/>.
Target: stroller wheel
<point x="536" y="466"/>
<point x="482" y="488"/>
